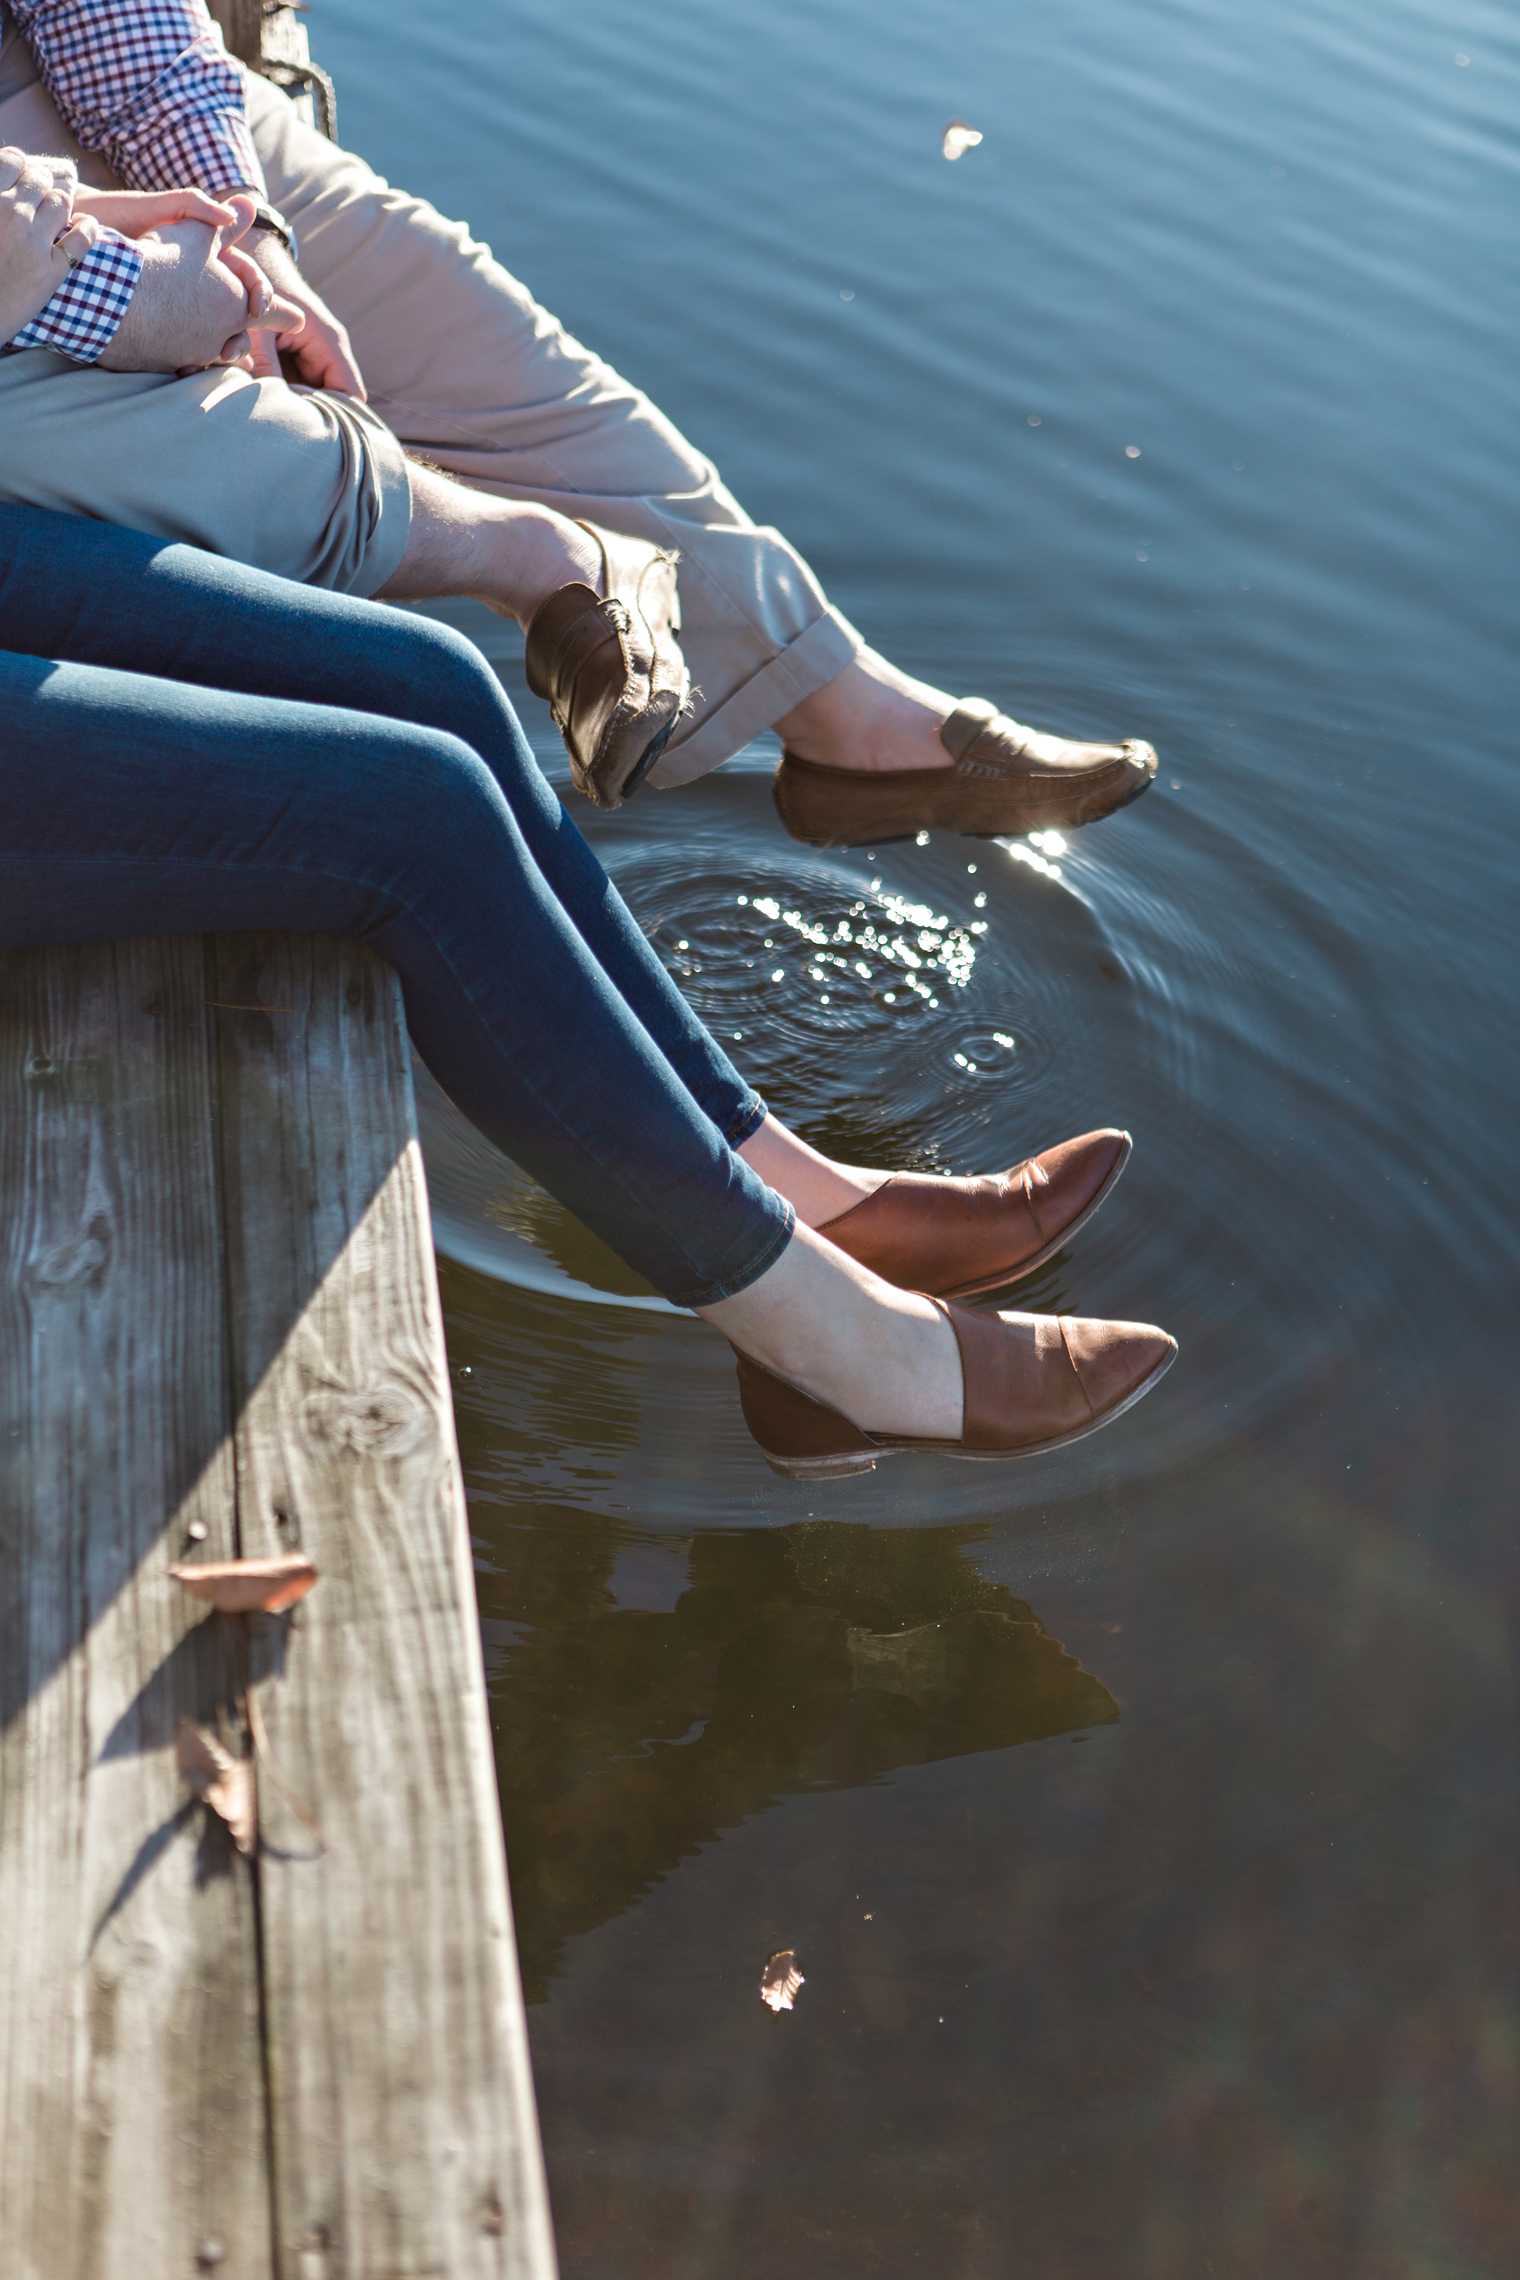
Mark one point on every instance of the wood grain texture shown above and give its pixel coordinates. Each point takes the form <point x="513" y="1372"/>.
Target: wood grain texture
<point x="405" y="2137"/>
<point x="218" y="1308"/>
<point x="132" y="2109"/>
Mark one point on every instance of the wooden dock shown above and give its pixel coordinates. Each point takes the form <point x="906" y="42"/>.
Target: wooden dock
<point x="220" y="1337"/>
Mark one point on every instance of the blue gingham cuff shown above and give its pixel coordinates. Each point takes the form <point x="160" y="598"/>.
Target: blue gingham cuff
<point x="81" y="319"/>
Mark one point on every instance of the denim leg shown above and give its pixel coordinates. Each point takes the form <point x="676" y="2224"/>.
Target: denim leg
<point x="93" y="594"/>
<point x="138" y="806"/>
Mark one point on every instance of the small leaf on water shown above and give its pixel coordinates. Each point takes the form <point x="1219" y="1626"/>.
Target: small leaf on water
<point x="223" y="1782"/>
<point x="780" y="1979"/>
<point x="959" y="138"/>
<point x="248" y="1587"/>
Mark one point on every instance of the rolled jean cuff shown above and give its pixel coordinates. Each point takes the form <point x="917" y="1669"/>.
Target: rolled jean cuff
<point x="777" y="1233"/>
<point x="805" y="666"/>
<point x="751" y="1116"/>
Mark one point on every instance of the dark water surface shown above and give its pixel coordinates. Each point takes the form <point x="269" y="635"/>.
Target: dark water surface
<point x="1233" y="1992"/>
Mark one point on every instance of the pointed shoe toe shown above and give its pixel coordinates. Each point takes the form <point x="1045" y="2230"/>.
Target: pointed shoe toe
<point x="1069" y="1181"/>
<point x="1032" y="1383"/>
<point x="952" y="1238"/>
<point x="610" y="668"/>
<point x="1041" y="1381"/>
<point x="1116" y="1362"/>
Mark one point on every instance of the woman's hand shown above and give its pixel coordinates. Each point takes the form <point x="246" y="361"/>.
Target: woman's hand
<point x="39" y="242"/>
<point x="198" y="300"/>
<point x="134" y="211"/>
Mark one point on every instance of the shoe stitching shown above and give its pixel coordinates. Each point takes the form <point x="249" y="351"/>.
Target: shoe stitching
<point x="1062" y="1320"/>
<point x="1031" y="1174"/>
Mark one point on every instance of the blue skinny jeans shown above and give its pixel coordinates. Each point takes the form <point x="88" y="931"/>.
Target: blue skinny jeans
<point x="188" y="745"/>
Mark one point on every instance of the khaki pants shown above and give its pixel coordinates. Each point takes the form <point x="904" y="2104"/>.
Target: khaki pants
<point x="467" y="371"/>
<point x="311" y="486"/>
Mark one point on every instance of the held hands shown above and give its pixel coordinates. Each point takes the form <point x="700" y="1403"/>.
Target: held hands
<point x="296" y="321"/>
<point x="201" y="299"/>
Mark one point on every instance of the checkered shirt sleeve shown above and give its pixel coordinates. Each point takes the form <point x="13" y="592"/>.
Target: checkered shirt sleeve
<point x="147" y="84"/>
<point x="81" y="319"/>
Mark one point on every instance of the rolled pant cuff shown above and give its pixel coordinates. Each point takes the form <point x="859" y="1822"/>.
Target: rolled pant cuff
<point x="748" y="1122"/>
<point x="803" y="667"/>
<point x="737" y="1278"/>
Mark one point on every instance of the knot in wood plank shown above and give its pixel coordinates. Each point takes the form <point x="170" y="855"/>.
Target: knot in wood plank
<point x="380" y="1421"/>
<point x="83" y="1259"/>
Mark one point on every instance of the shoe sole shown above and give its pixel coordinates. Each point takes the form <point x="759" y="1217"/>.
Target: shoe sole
<point x="1027" y="1267"/>
<point x="607" y="788"/>
<point x="857" y="1461"/>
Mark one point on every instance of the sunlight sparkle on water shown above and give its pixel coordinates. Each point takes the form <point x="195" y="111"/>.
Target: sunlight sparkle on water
<point x="911" y="936"/>
<point x="1034" y="862"/>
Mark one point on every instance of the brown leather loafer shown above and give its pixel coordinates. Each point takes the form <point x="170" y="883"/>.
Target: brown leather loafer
<point x="610" y="668"/>
<point x="1006" y="779"/>
<point x="1033" y="1382"/>
<point x="954" y="1237"/>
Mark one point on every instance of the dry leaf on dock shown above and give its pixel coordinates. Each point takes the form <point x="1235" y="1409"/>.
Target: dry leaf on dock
<point x="248" y="1587"/>
<point x="780" y="1979"/>
<point x="223" y="1782"/>
<point x="959" y="138"/>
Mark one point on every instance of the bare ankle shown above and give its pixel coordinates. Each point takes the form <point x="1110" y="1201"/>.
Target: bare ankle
<point x="539" y="553"/>
<point x="510" y="554"/>
<point x="871" y="717"/>
<point x="815" y="1186"/>
<point x="886" y="1359"/>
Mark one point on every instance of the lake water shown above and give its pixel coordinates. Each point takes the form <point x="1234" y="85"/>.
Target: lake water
<point x="1233" y="1993"/>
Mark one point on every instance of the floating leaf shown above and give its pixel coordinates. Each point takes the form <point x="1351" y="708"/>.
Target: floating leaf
<point x="959" y="138"/>
<point x="780" y="1979"/>
<point x="223" y="1782"/>
<point x="249" y="1587"/>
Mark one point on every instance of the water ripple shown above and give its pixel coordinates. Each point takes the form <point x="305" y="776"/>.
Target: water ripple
<point x="954" y="1006"/>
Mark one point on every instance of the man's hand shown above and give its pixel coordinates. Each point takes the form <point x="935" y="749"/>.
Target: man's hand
<point x="198" y="299"/>
<point x="38" y="245"/>
<point x="319" y="349"/>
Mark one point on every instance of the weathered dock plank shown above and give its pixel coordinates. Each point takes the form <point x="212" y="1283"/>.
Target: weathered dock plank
<point x="312" y="2066"/>
<point x="399" y="1936"/>
<point x="130" y="2073"/>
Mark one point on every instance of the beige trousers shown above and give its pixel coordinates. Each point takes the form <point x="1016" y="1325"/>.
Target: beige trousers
<point x="467" y="371"/>
<point x="311" y="486"/>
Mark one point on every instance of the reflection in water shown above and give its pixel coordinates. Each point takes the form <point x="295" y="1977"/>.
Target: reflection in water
<point x="796" y="1660"/>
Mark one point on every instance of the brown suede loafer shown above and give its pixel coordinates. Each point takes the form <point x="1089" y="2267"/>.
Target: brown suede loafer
<point x="610" y="668"/>
<point x="954" y="1237"/>
<point x="1006" y="779"/>
<point x="1033" y="1382"/>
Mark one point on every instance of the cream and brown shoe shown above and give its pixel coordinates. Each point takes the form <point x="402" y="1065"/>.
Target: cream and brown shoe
<point x="1032" y="1383"/>
<point x="951" y="1238"/>
<point x="1005" y="779"/>
<point x="610" y="668"/>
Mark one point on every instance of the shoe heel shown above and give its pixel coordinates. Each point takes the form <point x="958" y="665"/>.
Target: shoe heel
<point x="800" y="1438"/>
<point x="646" y="760"/>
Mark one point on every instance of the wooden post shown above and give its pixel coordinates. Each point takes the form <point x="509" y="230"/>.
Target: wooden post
<point x="219" y="1334"/>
